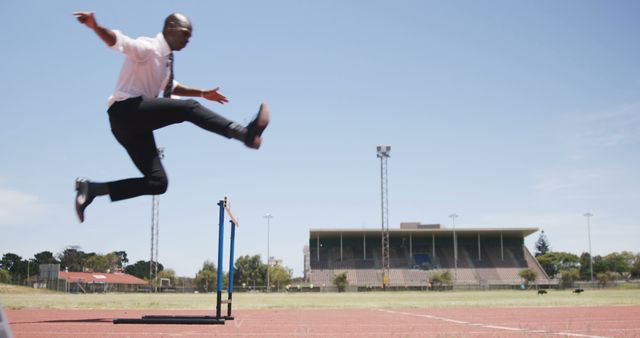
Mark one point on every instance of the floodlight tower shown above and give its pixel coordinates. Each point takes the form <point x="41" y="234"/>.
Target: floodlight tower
<point x="268" y="217"/>
<point x="455" y="249"/>
<point x="588" y="215"/>
<point x="383" y="152"/>
<point x="155" y="232"/>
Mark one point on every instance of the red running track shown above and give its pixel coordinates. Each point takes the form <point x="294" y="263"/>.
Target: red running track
<point x="610" y="321"/>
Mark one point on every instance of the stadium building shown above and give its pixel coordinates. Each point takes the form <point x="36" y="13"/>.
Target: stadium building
<point x="50" y="277"/>
<point x="487" y="258"/>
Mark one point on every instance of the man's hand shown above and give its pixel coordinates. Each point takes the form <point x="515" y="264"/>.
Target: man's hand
<point x="87" y="18"/>
<point x="213" y="95"/>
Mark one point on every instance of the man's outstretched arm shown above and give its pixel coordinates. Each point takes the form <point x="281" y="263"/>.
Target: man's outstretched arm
<point x="209" y="94"/>
<point x="89" y="20"/>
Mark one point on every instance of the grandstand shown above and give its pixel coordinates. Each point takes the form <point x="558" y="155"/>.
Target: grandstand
<point x="490" y="257"/>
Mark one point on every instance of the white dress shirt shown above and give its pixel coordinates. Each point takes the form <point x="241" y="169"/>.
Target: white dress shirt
<point x="146" y="68"/>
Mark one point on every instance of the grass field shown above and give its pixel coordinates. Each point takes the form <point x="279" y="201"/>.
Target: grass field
<point x="13" y="297"/>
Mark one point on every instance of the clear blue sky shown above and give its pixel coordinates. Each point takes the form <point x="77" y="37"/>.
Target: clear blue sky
<point x="508" y="113"/>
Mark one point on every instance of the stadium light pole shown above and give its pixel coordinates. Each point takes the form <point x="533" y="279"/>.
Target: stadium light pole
<point x="455" y="249"/>
<point x="383" y="153"/>
<point x="155" y="234"/>
<point x="588" y="215"/>
<point x="268" y="217"/>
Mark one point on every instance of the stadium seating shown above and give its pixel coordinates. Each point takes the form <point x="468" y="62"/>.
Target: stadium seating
<point x="498" y="262"/>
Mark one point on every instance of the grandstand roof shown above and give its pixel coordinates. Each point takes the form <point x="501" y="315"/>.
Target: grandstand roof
<point x="524" y="232"/>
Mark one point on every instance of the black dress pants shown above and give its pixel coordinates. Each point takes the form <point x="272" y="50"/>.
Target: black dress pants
<point x="133" y="122"/>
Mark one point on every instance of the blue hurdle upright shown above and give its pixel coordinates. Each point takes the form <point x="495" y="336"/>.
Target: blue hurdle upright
<point x="219" y="318"/>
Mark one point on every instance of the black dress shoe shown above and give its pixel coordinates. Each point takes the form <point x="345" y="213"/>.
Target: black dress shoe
<point x="83" y="197"/>
<point x="256" y="127"/>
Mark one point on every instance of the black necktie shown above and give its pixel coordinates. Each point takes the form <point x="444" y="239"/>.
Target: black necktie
<point x="168" y="88"/>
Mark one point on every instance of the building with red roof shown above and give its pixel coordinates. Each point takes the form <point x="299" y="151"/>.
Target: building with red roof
<point x="52" y="278"/>
<point x="101" y="282"/>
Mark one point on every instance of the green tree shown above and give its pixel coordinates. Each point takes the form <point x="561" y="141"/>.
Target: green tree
<point x="250" y="270"/>
<point x="45" y="257"/>
<point x="599" y="265"/>
<point x="569" y="276"/>
<point x="340" y="281"/>
<point x="95" y="263"/>
<point x="439" y="279"/>
<point x="553" y="262"/>
<point x="15" y="265"/>
<point x="9" y="260"/>
<point x="542" y="245"/>
<point x="206" y="278"/>
<point x="279" y="276"/>
<point x="585" y="268"/>
<point x="619" y="262"/>
<point x="635" y="267"/>
<point x="122" y="259"/>
<point x="548" y="263"/>
<point x="141" y="269"/>
<point x="72" y="258"/>
<point x="528" y="275"/>
<point x="5" y="276"/>
<point x="102" y="263"/>
<point x="605" y="277"/>
<point x="169" y="274"/>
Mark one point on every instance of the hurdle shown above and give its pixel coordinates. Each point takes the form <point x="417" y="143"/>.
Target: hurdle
<point x="218" y="318"/>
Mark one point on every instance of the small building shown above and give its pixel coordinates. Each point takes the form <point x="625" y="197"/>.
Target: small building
<point x="52" y="278"/>
<point x="88" y="282"/>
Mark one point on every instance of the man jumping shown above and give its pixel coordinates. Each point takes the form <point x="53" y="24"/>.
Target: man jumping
<point x="135" y="110"/>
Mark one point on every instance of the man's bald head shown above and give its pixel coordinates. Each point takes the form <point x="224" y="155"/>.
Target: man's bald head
<point x="177" y="20"/>
<point x="177" y="30"/>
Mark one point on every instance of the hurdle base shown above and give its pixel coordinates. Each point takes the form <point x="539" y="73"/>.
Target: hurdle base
<point x="194" y="320"/>
<point x="228" y="317"/>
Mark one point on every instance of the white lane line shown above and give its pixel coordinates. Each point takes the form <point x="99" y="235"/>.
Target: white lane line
<point x="505" y="328"/>
<point x="576" y="335"/>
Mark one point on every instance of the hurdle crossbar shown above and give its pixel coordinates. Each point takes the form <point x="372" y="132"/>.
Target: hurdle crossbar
<point x="195" y="320"/>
